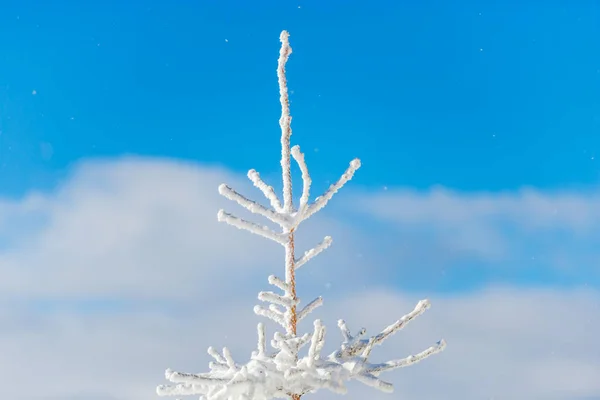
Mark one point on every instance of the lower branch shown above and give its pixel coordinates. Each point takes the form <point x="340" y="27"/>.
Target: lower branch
<point x="376" y="369"/>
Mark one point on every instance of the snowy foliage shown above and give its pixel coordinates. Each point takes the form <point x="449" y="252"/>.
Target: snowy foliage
<point x="283" y="372"/>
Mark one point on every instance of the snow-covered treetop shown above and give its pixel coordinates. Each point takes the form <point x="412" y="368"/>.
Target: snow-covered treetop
<point x="284" y="372"/>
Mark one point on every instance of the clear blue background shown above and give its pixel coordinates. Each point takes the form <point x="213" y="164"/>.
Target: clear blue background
<point x="473" y="95"/>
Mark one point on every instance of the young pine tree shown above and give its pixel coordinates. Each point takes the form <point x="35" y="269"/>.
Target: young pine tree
<point x="284" y="372"/>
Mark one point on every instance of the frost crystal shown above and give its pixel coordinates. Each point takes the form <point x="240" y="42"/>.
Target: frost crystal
<point x="283" y="372"/>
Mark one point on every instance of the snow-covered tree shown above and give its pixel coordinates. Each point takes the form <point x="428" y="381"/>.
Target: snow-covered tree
<point x="283" y="371"/>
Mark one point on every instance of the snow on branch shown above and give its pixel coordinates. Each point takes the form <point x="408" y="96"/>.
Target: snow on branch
<point x="353" y="346"/>
<point x="262" y="340"/>
<point x="284" y="371"/>
<point x="251" y="206"/>
<point x="306" y="181"/>
<point x="270" y="314"/>
<point x="322" y="201"/>
<point x="310" y="307"/>
<point x="315" y="251"/>
<point x="285" y="121"/>
<point x="277" y="299"/>
<point x="420" y="308"/>
<point x="275" y="281"/>
<point x="251" y="227"/>
<point x="267" y="190"/>
<point x="376" y="369"/>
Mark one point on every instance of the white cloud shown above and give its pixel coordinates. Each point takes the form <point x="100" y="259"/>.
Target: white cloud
<point x="146" y="231"/>
<point x="525" y="231"/>
<point x="535" y="210"/>
<point x="503" y="343"/>
<point x="134" y="229"/>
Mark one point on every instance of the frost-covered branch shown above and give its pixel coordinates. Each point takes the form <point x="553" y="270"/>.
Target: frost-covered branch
<point x="420" y="308"/>
<point x="270" y="314"/>
<point x="267" y="190"/>
<point x="251" y="227"/>
<point x="251" y="205"/>
<point x="306" y="180"/>
<point x="285" y="121"/>
<point x="376" y="369"/>
<point x="322" y="201"/>
<point x="354" y="345"/>
<point x="262" y="340"/>
<point x="267" y="376"/>
<point x="277" y="299"/>
<point x="315" y="251"/>
<point x="310" y="307"/>
<point x="317" y="343"/>
<point x="290" y="370"/>
<point x="275" y="281"/>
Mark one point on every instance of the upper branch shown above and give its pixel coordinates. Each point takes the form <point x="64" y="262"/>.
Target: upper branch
<point x="322" y="201"/>
<point x="274" y="298"/>
<point x="252" y="206"/>
<point x="270" y="314"/>
<point x="275" y="281"/>
<point x="315" y="251"/>
<point x="310" y="307"/>
<point x="267" y="190"/>
<point x="306" y="181"/>
<point x="285" y="121"/>
<point x="260" y="230"/>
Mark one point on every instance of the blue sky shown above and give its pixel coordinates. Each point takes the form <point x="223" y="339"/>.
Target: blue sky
<point x="470" y="95"/>
<point x="477" y="124"/>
